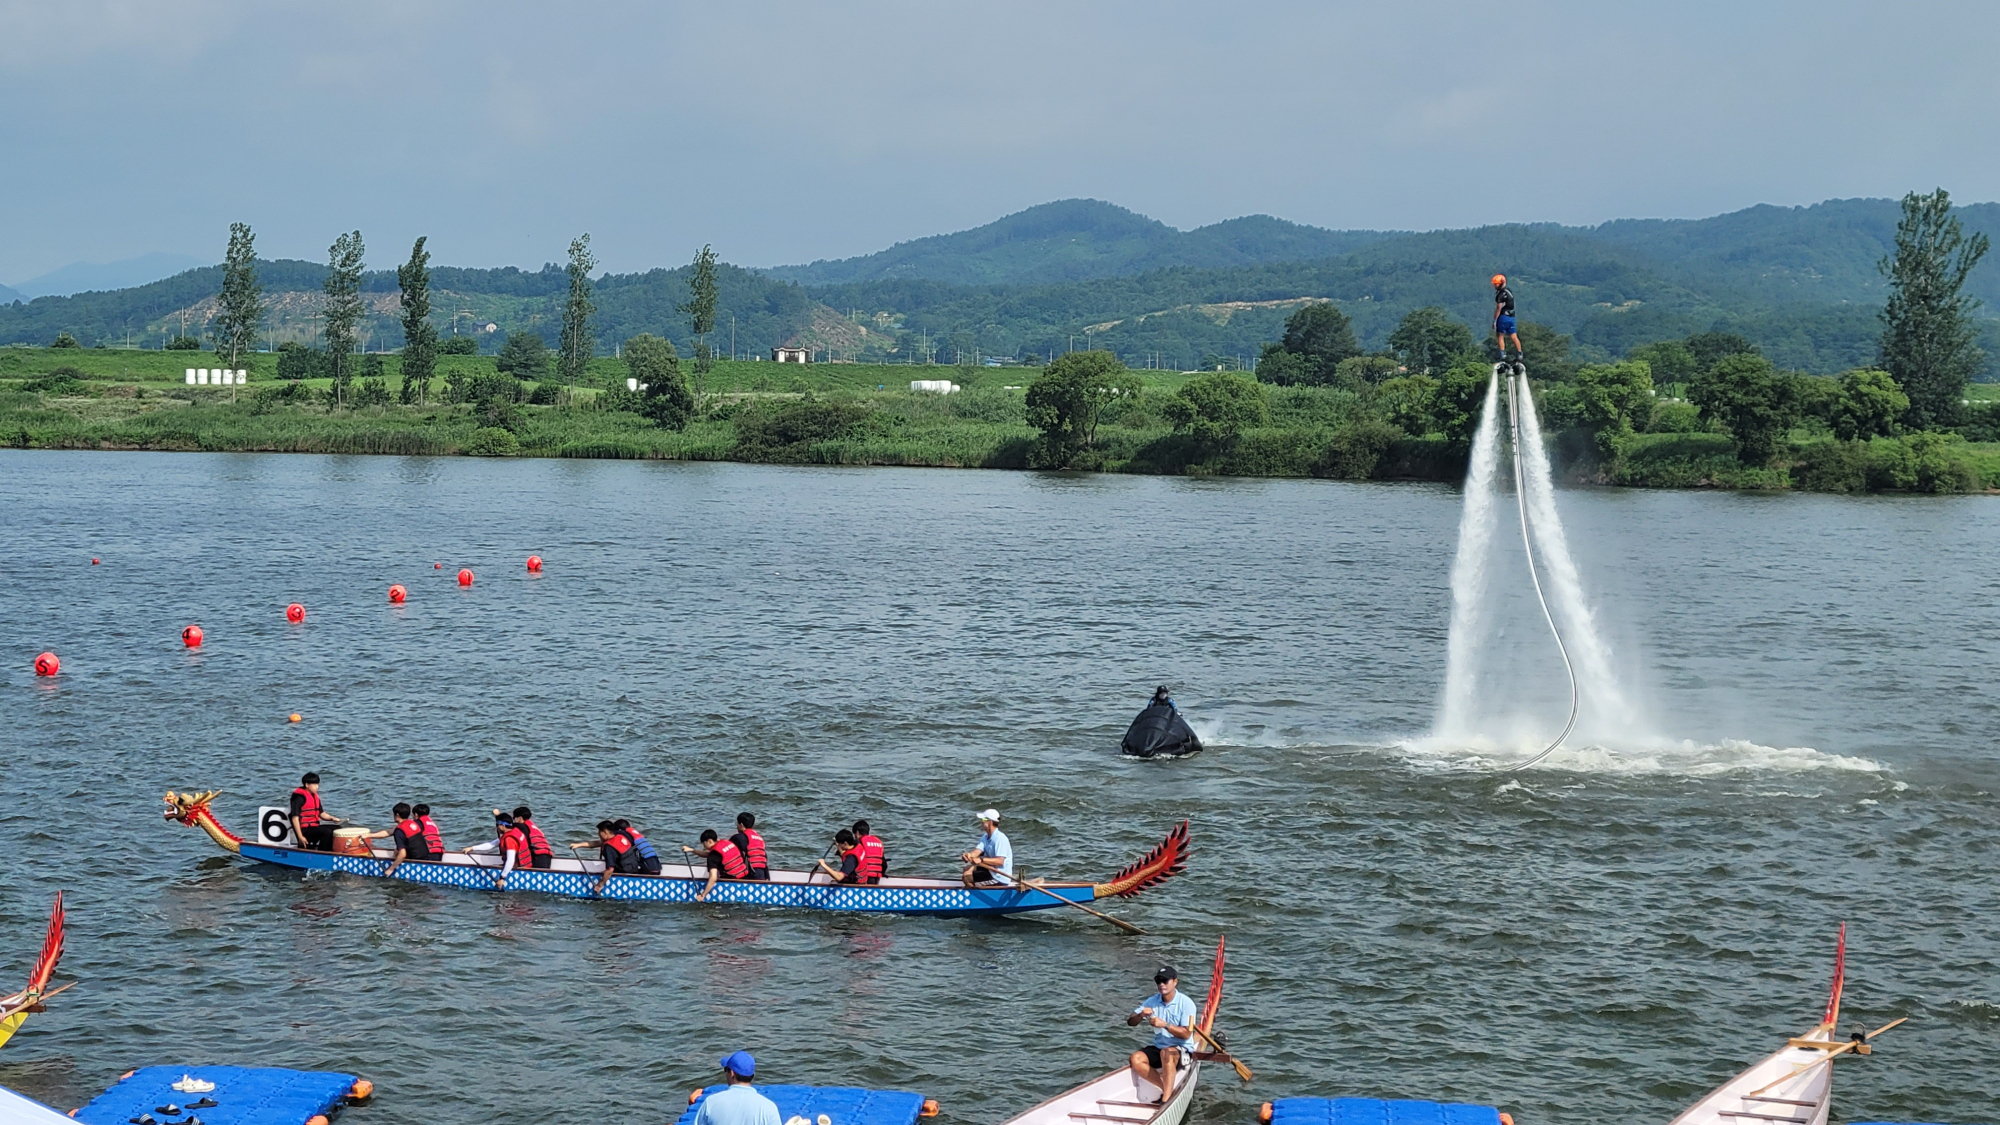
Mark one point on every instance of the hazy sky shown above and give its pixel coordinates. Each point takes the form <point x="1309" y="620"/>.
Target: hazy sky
<point x="784" y="132"/>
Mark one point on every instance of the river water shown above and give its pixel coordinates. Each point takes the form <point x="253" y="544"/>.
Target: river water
<point x="1600" y="940"/>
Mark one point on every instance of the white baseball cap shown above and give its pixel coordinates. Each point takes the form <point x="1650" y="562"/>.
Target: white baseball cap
<point x="991" y="814"/>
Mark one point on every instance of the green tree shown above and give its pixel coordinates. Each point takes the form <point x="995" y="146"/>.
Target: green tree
<point x="1428" y="340"/>
<point x="664" y="395"/>
<point x="239" y="310"/>
<point x="700" y="310"/>
<point x="524" y="355"/>
<point x="1407" y="402"/>
<point x="420" y="336"/>
<point x="1613" y="397"/>
<point x="1756" y="402"/>
<point x="1867" y="405"/>
<point x="1461" y="396"/>
<point x="575" y="347"/>
<point x="65" y="340"/>
<point x="1669" y="360"/>
<point x="343" y="309"/>
<point x="1710" y="348"/>
<point x="1545" y="352"/>
<point x="1215" y="408"/>
<point x="1317" y="337"/>
<point x="1065" y="400"/>
<point x="1356" y="372"/>
<point x="1927" y="337"/>
<point x="458" y="345"/>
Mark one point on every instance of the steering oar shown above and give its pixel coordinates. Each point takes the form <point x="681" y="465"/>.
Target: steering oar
<point x="1118" y="922"/>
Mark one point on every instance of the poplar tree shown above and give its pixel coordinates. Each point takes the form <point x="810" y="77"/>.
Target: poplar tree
<point x="575" y="347"/>
<point x="1927" y="337"/>
<point x="700" y="310"/>
<point x="240" y="306"/>
<point x="343" y="309"/>
<point x="420" y="336"/>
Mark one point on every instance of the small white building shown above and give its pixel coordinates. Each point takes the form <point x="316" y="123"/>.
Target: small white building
<point x="791" y="355"/>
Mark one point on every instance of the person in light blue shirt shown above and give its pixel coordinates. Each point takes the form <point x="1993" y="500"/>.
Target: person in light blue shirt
<point x="738" y="1102"/>
<point x="1172" y="1016"/>
<point x="994" y="852"/>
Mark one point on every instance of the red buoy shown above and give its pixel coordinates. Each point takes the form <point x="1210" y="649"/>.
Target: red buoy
<point x="93" y="562"/>
<point x="397" y="594"/>
<point x="47" y="665"/>
<point x="191" y="636"/>
<point x="534" y="564"/>
<point x="465" y="578"/>
<point x="295" y="613"/>
<point x="437" y="566"/>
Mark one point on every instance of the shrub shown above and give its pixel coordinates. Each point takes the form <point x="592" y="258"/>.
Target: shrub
<point x="296" y="361"/>
<point x="491" y="441"/>
<point x="524" y="355"/>
<point x="370" y="392"/>
<point x="180" y="344"/>
<point x="1214" y="409"/>
<point x="618" y="399"/>
<point x="458" y="345"/>
<point x="545" y="394"/>
<point x="1675" y="418"/>
<point x="1832" y="466"/>
<point x="61" y="381"/>
<point x="65" y="340"/>
<point x="1356" y="450"/>
<point x="786" y="431"/>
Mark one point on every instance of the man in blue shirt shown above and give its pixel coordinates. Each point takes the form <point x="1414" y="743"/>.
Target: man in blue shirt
<point x="994" y="852"/>
<point x="738" y="1102"/>
<point x="1172" y="1016"/>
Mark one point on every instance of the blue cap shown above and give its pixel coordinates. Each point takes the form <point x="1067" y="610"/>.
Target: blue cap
<point x="741" y="1065"/>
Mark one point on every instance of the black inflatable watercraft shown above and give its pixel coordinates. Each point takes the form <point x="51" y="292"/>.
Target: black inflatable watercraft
<point x="1160" y="732"/>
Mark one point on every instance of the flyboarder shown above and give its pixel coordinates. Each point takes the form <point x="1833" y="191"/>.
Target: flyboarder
<point x="1503" y="321"/>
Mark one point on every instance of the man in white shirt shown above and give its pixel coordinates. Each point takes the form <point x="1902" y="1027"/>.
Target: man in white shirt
<point x="738" y="1102"/>
<point x="994" y="852"/>
<point x="1172" y="1015"/>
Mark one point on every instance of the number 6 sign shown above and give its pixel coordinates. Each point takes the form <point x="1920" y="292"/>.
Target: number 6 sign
<point x="274" y="827"/>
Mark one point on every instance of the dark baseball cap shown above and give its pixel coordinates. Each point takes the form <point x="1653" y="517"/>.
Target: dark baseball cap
<point x="1165" y="974"/>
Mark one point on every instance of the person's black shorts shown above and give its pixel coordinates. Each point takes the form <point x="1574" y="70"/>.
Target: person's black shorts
<point x="1154" y="1060"/>
<point x="983" y="875"/>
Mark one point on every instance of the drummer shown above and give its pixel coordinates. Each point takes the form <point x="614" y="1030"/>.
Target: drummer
<point x="1171" y="1014"/>
<point x="311" y="823"/>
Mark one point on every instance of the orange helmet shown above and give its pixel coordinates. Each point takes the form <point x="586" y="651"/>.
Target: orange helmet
<point x="1499" y="279"/>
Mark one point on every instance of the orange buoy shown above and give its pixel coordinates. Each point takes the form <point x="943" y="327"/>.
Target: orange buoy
<point x="295" y="613"/>
<point x="465" y="578"/>
<point x="534" y="564"/>
<point x="694" y="1095"/>
<point x="295" y="717"/>
<point x="316" y="1119"/>
<point x="397" y="594"/>
<point x="1264" y="1112"/>
<point x="47" y="665"/>
<point x="930" y="1108"/>
<point x="1506" y="1119"/>
<point x="191" y="636"/>
<point x="363" y="1090"/>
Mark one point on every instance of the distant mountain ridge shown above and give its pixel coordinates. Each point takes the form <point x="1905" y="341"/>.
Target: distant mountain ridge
<point x="81" y="277"/>
<point x="1077" y="240"/>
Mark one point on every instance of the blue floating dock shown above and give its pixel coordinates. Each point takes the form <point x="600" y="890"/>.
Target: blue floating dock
<point x="1378" y="1111"/>
<point x="244" y="1095"/>
<point x="843" y="1105"/>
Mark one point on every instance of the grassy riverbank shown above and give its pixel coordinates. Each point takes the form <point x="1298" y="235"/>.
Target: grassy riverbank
<point x="860" y="414"/>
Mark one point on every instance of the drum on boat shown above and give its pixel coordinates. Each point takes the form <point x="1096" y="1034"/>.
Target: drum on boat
<point x="351" y="841"/>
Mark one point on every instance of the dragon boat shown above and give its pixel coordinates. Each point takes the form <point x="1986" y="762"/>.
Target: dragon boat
<point x="1122" y="1097"/>
<point x="1795" y="1083"/>
<point x="15" y="1009"/>
<point x="678" y="882"/>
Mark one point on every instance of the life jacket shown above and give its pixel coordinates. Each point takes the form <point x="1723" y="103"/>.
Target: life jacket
<point x="433" y="837"/>
<point x="622" y="852"/>
<point x="414" y="841"/>
<point x="753" y="853"/>
<point x="872" y="860"/>
<point x="309" y="815"/>
<point x="516" y="841"/>
<point x="732" y="859"/>
<point x="538" y="844"/>
<point x="644" y="845"/>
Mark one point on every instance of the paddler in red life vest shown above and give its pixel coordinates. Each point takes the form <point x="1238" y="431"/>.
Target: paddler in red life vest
<point x="874" y="860"/>
<point x="850" y="859"/>
<point x="309" y="820"/>
<point x="513" y="851"/>
<point x="432" y="837"/>
<point x="751" y="845"/>
<point x="649" y="856"/>
<point x="725" y="861"/>
<point x="408" y="835"/>
<point x="617" y="852"/>
<point x="540" y="856"/>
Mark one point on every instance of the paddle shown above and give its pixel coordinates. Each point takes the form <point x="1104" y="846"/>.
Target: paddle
<point x="1242" y="1071"/>
<point x="1830" y="1055"/>
<point x="35" y="1005"/>
<point x="1118" y="922"/>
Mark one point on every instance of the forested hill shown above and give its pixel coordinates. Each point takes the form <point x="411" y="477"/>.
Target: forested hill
<point x="1799" y="282"/>
<point x="1080" y="239"/>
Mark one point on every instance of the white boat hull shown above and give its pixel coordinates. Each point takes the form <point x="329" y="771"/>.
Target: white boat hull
<point x="1784" y="1087"/>
<point x="1119" y="1098"/>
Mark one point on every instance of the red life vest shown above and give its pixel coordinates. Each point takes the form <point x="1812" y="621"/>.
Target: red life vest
<point x="732" y="860"/>
<point x="538" y="844"/>
<point x="413" y="832"/>
<point x="516" y="841"/>
<point x="620" y="847"/>
<point x="753" y="854"/>
<point x="433" y="837"/>
<point x="868" y="868"/>
<point x="308" y="815"/>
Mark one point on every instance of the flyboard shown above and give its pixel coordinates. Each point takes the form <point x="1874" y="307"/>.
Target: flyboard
<point x="1516" y="375"/>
